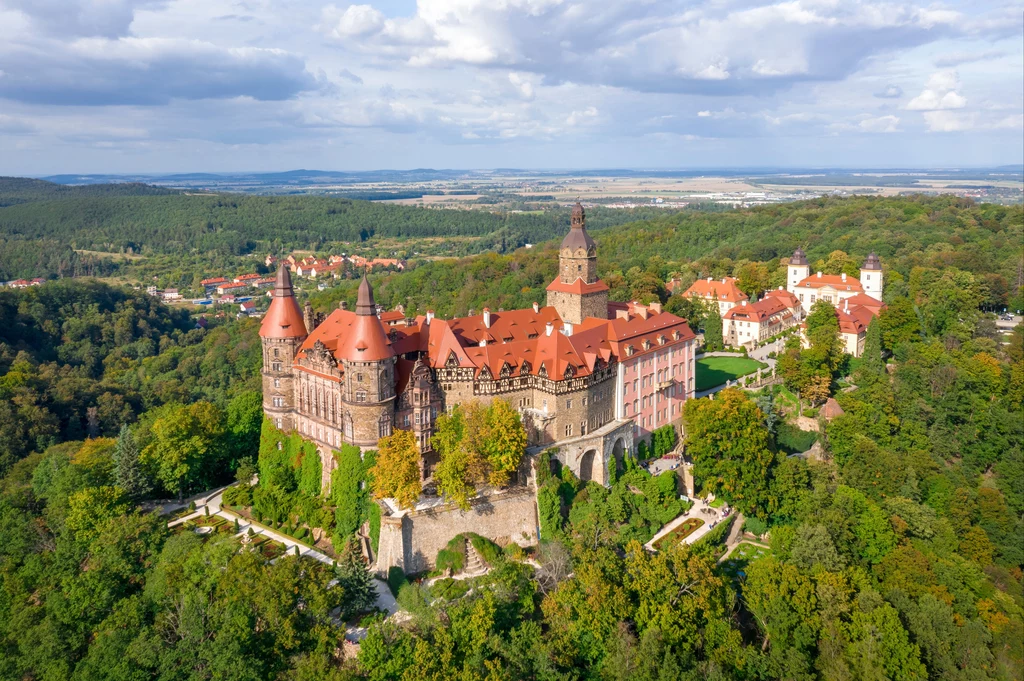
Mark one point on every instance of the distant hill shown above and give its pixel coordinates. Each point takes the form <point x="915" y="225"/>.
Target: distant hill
<point x="15" y="190"/>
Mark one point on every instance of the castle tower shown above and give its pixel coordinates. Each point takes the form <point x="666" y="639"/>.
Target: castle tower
<point x="871" y="276"/>
<point x="577" y="293"/>
<point x="798" y="269"/>
<point x="368" y="363"/>
<point x="281" y="334"/>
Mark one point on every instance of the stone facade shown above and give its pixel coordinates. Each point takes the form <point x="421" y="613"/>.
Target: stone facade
<point x="411" y="539"/>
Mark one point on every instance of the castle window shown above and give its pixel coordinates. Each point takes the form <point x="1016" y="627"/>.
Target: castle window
<point x="279" y="422"/>
<point x="277" y="382"/>
<point x="417" y="418"/>
<point x="568" y="404"/>
<point x="275" y="366"/>
<point x="568" y="430"/>
<point x="359" y="378"/>
<point x="405" y="421"/>
<point x="360" y="396"/>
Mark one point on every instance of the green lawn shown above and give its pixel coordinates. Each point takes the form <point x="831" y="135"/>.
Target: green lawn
<point x="712" y="371"/>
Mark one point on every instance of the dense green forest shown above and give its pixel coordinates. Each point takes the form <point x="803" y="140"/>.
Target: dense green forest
<point x="895" y="553"/>
<point x="42" y="225"/>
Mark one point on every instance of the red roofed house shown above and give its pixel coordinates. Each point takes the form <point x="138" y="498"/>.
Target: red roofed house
<point x="248" y="279"/>
<point x="722" y="291"/>
<point x="750" y="324"/>
<point x="211" y="284"/>
<point x="232" y="288"/>
<point x="587" y="376"/>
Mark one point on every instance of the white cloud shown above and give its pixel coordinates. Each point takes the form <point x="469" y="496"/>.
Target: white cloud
<point x="577" y="117"/>
<point x="949" y="121"/>
<point x="957" y="58"/>
<point x="523" y="83"/>
<point x="890" y="92"/>
<point x="880" y="124"/>
<point x="940" y="93"/>
<point x="704" y="114"/>
<point x="358" y="20"/>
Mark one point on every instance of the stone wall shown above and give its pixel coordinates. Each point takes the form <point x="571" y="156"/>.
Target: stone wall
<point x="591" y="457"/>
<point x="411" y="539"/>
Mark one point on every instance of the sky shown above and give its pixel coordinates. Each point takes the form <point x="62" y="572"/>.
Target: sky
<point x="157" y="86"/>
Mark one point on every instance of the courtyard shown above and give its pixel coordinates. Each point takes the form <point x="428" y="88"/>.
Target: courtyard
<point x="713" y="371"/>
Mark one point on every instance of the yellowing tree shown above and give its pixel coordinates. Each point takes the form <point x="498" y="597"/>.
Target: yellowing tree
<point x="505" y="442"/>
<point x="397" y="471"/>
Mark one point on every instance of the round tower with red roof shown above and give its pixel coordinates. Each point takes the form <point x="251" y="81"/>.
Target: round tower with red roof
<point x="281" y="334"/>
<point x="368" y="365"/>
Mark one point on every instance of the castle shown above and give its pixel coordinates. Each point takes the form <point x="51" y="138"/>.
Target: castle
<point x="589" y="377"/>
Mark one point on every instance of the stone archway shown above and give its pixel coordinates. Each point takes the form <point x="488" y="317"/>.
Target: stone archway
<point x="587" y="465"/>
<point x="618" y="452"/>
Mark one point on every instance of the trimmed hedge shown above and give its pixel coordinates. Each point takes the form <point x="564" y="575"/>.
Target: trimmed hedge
<point x="396" y="579"/>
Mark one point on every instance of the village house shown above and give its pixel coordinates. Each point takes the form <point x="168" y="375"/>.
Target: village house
<point x="210" y="285"/>
<point x="231" y="287"/>
<point x="722" y="291"/>
<point x="753" y="323"/>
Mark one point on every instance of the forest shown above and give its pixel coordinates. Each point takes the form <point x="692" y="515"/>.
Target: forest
<point x="44" y="226"/>
<point x="895" y="553"/>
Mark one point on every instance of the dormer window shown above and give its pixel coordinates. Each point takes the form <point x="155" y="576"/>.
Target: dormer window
<point x="630" y="350"/>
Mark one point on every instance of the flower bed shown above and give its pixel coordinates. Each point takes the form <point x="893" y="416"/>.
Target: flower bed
<point x="684" y="530"/>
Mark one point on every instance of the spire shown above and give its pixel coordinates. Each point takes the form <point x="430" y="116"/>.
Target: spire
<point x="365" y="305"/>
<point x="577" y="237"/>
<point x="872" y="262"/>
<point x="283" y="318"/>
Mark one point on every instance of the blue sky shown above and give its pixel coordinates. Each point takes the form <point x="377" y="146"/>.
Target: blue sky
<point x="227" y="85"/>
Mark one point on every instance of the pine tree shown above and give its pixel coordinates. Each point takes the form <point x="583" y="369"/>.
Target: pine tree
<point x="873" y="348"/>
<point x="355" y="581"/>
<point x="713" y="340"/>
<point x="128" y="474"/>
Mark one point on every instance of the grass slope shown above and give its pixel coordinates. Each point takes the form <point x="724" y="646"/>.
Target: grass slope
<point x="712" y="371"/>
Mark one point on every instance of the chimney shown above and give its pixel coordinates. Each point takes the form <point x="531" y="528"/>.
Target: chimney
<point x="487" y="317"/>
<point x="723" y="280"/>
<point x="430" y="316"/>
<point x="846" y="305"/>
<point x="710" y="280"/>
<point x="819" y="275"/>
<point x="622" y="314"/>
<point x="567" y="328"/>
<point x="655" y="308"/>
<point x="472" y="311"/>
<point x="844" y="277"/>
<point x="744" y="303"/>
<point x="641" y="311"/>
<point x="343" y="305"/>
<point x="536" y="306"/>
<point x="548" y="329"/>
<point x="482" y="343"/>
<point x="780" y="288"/>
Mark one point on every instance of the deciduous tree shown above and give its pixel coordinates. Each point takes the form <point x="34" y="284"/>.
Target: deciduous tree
<point x="397" y="471"/>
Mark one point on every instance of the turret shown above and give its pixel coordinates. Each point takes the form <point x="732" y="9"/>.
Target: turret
<point x="577" y="293"/>
<point x="871" y="276"/>
<point x="281" y="334"/>
<point x="798" y="269"/>
<point x="368" y="363"/>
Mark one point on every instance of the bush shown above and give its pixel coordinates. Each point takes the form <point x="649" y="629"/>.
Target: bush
<point x="488" y="550"/>
<point x="549" y="503"/>
<point x="755" y="526"/>
<point x="396" y="579"/>
<point x="449" y="589"/>
<point x="301" y="533"/>
<point x="515" y="551"/>
<point x="810" y="412"/>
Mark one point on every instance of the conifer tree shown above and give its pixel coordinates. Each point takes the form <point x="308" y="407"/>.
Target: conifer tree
<point x="355" y="581"/>
<point x="713" y="330"/>
<point x="128" y="473"/>
<point x="873" y="348"/>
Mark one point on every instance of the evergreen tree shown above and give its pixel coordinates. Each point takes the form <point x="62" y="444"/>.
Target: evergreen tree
<point x="128" y="473"/>
<point x="873" y="348"/>
<point x="713" y="330"/>
<point x="355" y="580"/>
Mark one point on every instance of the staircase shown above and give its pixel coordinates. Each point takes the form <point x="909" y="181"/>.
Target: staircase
<point x="474" y="563"/>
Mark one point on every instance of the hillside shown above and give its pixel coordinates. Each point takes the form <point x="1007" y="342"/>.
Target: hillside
<point x="41" y="224"/>
<point x="636" y="259"/>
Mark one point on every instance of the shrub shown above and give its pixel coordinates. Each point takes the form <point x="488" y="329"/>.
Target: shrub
<point x="301" y="533"/>
<point x="396" y="579"/>
<point x="515" y="551"/>
<point x="549" y="503"/>
<point x="755" y="526"/>
<point x="449" y="589"/>
<point x="488" y="550"/>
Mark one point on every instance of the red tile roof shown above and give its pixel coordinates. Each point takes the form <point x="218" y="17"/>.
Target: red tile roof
<point x="578" y="286"/>
<point x="717" y="289"/>
<point x="834" y="280"/>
